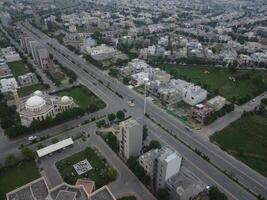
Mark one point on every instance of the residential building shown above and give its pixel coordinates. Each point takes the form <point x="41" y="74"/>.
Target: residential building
<point x="159" y="75"/>
<point x="130" y="136"/>
<point x="169" y="95"/>
<point x="201" y="113"/>
<point x="194" y="95"/>
<point x="139" y="78"/>
<point x="10" y="54"/>
<point x="82" y="190"/>
<point x="184" y="186"/>
<point x="43" y="58"/>
<point x="27" y="79"/>
<point x="133" y="67"/>
<point x="5" y="19"/>
<point x="8" y="84"/>
<point x="101" y="52"/>
<point x="4" y="69"/>
<point x="217" y="102"/>
<point x="160" y="165"/>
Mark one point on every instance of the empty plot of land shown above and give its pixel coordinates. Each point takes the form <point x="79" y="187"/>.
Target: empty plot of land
<point x="246" y="139"/>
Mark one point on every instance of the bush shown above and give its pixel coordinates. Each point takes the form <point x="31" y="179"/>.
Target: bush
<point x="120" y="115"/>
<point x="11" y="160"/>
<point x="112" y="141"/>
<point x="112" y="174"/>
<point x="154" y="144"/>
<point x="111" y="117"/>
<point x="27" y="153"/>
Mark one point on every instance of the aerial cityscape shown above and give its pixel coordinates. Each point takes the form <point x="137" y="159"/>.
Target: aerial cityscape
<point x="133" y="100"/>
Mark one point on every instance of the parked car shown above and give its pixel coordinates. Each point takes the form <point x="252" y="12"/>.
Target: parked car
<point x="32" y="138"/>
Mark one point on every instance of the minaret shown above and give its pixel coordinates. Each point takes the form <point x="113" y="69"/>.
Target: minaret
<point x="16" y="97"/>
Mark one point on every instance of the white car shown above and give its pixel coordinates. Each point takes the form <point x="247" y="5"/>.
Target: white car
<point x="32" y="138"/>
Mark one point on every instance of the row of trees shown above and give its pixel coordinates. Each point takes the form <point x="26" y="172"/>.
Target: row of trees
<point x="112" y="117"/>
<point x="26" y="153"/>
<point x="18" y="129"/>
<point x="223" y="111"/>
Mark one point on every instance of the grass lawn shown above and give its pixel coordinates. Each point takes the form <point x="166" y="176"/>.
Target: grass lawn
<point x="18" y="68"/>
<point x="217" y="78"/>
<point x="83" y="97"/>
<point x="182" y="105"/>
<point x="25" y="91"/>
<point x="246" y="139"/>
<point x="58" y="77"/>
<point x="99" y="173"/>
<point x="128" y="198"/>
<point x="14" y="177"/>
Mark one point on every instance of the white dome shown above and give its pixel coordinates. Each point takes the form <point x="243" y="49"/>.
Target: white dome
<point x="65" y="99"/>
<point x="38" y="93"/>
<point x="35" y="103"/>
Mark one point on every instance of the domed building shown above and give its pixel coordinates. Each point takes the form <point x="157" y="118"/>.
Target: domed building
<point x="39" y="106"/>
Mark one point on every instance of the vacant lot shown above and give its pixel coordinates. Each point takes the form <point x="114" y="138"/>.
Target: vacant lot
<point x="14" y="177"/>
<point x="25" y="91"/>
<point x="242" y="84"/>
<point x="246" y="139"/>
<point x="83" y="97"/>
<point x="18" y="68"/>
<point x="100" y="173"/>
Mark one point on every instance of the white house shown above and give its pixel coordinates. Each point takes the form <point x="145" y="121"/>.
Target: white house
<point x="7" y="84"/>
<point x="194" y="95"/>
<point x="139" y="78"/>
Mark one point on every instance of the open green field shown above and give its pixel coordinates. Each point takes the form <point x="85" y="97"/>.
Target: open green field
<point x="100" y="172"/>
<point x="83" y="97"/>
<point x="25" y="91"/>
<point x="221" y="80"/>
<point x="16" y="176"/>
<point x="18" y="68"/>
<point x="246" y="139"/>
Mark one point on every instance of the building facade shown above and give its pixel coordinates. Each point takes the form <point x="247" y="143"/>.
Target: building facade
<point x="130" y="137"/>
<point x="160" y="165"/>
<point x="27" y="79"/>
<point x="40" y="106"/>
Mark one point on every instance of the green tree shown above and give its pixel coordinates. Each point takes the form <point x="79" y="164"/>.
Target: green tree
<point x="145" y="132"/>
<point x="40" y="145"/>
<point x="111" y="117"/>
<point x="112" y="141"/>
<point x="216" y="194"/>
<point x="163" y="194"/>
<point x="154" y="144"/>
<point x="27" y="153"/>
<point x="10" y="160"/>
<point x="120" y="115"/>
<point x="112" y="174"/>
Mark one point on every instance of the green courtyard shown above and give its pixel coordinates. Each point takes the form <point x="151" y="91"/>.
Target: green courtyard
<point x="83" y="97"/>
<point x="101" y="173"/>
<point x="18" y="68"/>
<point x="16" y="176"/>
<point x="246" y="139"/>
<point x="239" y="86"/>
<point x="25" y="91"/>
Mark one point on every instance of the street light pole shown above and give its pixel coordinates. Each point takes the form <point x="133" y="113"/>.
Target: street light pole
<point x="146" y="82"/>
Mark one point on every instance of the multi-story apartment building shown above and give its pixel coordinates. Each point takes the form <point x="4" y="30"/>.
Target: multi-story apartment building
<point x="160" y="165"/>
<point x="27" y="79"/>
<point x="130" y="137"/>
